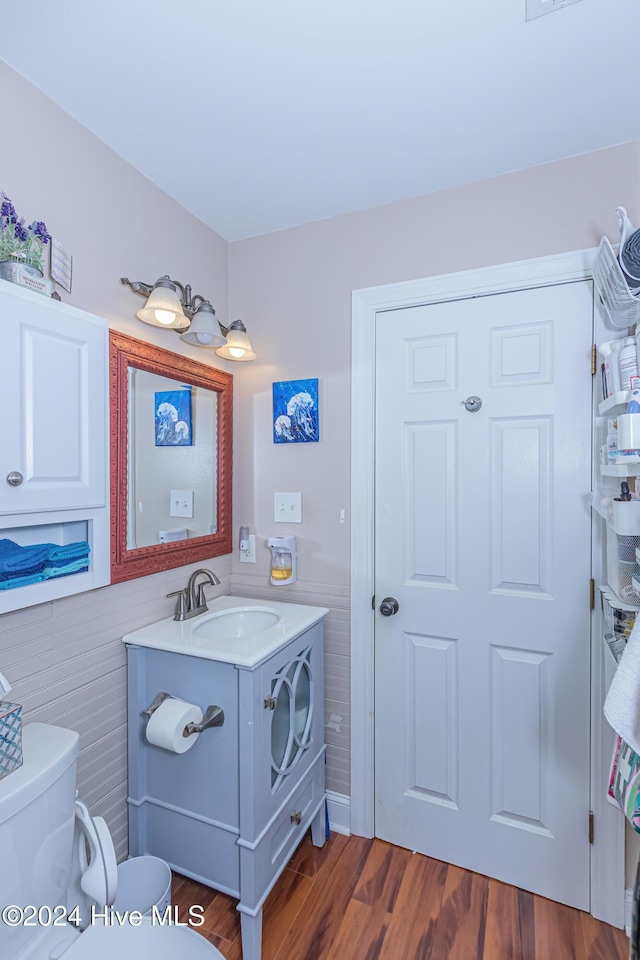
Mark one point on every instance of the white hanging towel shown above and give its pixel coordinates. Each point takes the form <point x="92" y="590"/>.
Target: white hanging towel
<point x="622" y="705"/>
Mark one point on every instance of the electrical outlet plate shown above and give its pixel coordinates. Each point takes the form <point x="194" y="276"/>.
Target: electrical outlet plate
<point x="287" y="507"/>
<point x="249" y="556"/>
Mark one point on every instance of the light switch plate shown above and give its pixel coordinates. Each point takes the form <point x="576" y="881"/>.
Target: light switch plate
<point x="181" y="503"/>
<point x="287" y="507"/>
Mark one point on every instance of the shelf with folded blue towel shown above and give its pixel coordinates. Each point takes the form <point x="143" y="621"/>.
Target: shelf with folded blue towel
<point x="47" y="556"/>
<point x="22" y="565"/>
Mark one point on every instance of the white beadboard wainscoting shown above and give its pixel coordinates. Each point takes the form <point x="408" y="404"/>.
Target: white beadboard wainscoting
<point x="67" y="665"/>
<point x="337" y="670"/>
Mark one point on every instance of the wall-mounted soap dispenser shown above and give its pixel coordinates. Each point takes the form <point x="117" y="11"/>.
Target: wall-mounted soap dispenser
<point x="283" y="560"/>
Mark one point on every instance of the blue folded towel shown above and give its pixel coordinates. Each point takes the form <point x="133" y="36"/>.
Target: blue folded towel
<point x="67" y="551"/>
<point x="19" y="561"/>
<point x="63" y="569"/>
<point x="8" y="547"/>
<point x="25" y="571"/>
<point x="15" y="559"/>
<point x="21" y="581"/>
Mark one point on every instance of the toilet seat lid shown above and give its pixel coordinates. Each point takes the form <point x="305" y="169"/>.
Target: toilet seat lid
<point x="145" y="942"/>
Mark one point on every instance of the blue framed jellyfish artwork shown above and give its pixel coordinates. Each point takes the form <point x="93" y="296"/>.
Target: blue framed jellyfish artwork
<point x="295" y="411"/>
<point x="173" y="425"/>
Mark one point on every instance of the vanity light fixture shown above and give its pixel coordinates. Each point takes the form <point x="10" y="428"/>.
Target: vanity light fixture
<point x="192" y="317"/>
<point x="237" y="345"/>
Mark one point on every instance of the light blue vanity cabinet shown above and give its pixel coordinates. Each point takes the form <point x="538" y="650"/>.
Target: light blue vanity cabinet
<point x="231" y="810"/>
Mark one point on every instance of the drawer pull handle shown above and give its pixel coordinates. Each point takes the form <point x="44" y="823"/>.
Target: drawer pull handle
<point x="296" y="817"/>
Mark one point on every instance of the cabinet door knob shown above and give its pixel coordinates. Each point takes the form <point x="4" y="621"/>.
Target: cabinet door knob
<point x="296" y="817"/>
<point x="270" y="703"/>
<point x="14" y="479"/>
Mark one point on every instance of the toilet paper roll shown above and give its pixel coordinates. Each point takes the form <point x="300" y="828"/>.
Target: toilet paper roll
<point x="166" y="725"/>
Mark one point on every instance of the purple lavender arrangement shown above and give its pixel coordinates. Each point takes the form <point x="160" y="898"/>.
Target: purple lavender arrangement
<point x="20" y="244"/>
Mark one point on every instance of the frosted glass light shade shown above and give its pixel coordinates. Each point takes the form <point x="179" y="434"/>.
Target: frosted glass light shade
<point x="163" y="308"/>
<point x="237" y="347"/>
<point x="205" y="329"/>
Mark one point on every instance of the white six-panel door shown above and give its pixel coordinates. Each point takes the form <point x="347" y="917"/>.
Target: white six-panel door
<point x="482" y="533"/>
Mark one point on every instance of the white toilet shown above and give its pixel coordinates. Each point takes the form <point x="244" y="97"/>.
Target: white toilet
<point x="38" y="815"/>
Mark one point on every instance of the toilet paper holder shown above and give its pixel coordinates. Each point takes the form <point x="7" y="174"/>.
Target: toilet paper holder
<point x="213" y="715"/>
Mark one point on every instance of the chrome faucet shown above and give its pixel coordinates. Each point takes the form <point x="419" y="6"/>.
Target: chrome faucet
<point x="191" y="602"/>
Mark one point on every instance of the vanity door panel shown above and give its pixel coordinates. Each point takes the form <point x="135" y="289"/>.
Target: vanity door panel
<point x="284" y="707"/>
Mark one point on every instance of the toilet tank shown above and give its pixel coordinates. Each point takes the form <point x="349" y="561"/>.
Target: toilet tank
<point x="36" y="825"/>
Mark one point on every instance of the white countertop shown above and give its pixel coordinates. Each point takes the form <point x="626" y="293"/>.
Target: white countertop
<point x="247" y="651"/>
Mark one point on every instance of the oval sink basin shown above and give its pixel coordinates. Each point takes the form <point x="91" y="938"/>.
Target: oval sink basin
<point x="240" y="630"/>
<point x="236" y="624"/>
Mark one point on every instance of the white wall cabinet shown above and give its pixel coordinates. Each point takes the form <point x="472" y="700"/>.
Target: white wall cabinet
<point x="54" y="450"/>
<point x="53" y="375"/>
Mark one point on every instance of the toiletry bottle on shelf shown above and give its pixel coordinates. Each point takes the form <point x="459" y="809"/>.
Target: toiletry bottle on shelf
<point x="634" y="402"/>
<point x="612" y="440"/>
<point x="610" y="353"/>
<point x="625" y="495"/>
<point x="627" y="362"/>
<point x="614" y="361"/>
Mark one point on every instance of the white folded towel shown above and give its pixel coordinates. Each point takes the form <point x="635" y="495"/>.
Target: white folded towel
<point x="622" y="705"/>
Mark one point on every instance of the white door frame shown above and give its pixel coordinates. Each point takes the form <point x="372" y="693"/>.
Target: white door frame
<point x="607" y="853"/>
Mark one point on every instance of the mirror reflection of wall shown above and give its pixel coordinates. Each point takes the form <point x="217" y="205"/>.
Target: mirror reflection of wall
<point x="154" y="471"/>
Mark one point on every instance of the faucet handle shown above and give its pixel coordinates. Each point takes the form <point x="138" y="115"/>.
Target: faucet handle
<point x="202" y="600"/>
<point x="181" y="604"/>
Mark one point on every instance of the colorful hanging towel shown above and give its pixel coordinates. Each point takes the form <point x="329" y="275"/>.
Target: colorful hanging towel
<point x="68" y="551"/>
<point x="634" y="940"/>
<point x="624" y="782"/>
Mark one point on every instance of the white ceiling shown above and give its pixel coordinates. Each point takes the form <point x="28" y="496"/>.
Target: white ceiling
<point x="258" y="116"/>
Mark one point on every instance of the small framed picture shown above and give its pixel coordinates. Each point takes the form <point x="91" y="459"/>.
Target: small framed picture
<point x="295" y="411"/>
<point x="173" y="418"/>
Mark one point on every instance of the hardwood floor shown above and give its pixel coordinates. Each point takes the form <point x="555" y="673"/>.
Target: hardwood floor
<point x="358" y="899"/>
